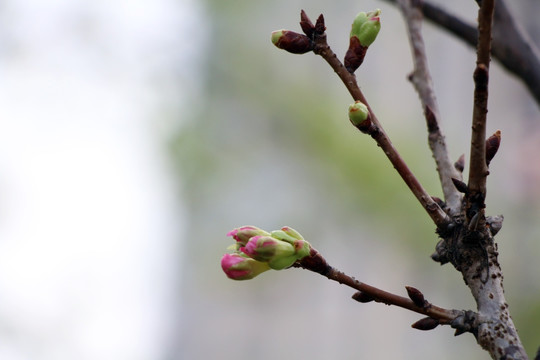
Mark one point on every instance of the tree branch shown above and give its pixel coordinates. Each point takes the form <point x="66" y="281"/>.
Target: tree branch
<point x="377" y="132"/>
<point x="511" y="46"/>
<point x="422" y="81"/>
<point x="478" y="170"/>
<point x="416" y="302"/>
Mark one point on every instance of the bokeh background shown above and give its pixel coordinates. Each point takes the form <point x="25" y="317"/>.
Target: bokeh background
<point x="135" y="134"/>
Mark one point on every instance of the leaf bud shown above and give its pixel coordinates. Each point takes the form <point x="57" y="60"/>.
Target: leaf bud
<point x="358" y="113"/>
<point x="362" y="297"/>
<point x="291" y="41"/>
<point x="425" y="324"/>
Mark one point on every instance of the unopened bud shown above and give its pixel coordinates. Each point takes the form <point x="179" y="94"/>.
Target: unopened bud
<point x="358" y="113"/>
<point x="291" y="41"/>
<point x="362" y="297"/>
<point x="244" y="233"/>
<point x="425" y="324"/>
<point x="369" y="30"/>
<point x="238" y="267"/>
<point x="492" y="146"/>
<point x="416" y="296"/>
<point x="265" y="248"/>
<point x="364" y="31"/>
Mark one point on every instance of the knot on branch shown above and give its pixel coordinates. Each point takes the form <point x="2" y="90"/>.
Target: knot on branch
<point x="467" y="322"/>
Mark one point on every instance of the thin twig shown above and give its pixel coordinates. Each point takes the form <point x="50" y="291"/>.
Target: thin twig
<point x="438" y="216"/>
<point x="478" y="170"/>
<point x="422" y="81"/>
<point x="316" y="263"/>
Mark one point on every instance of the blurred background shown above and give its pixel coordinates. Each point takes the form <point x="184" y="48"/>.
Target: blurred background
<point x="135" y="134"/>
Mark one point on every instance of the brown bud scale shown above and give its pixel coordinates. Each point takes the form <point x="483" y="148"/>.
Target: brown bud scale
<point x="460" y="185"/>
<point x="416" y="296"/>
<point x="305" y="23"/>
<point x="294" y="42"/>
<point x="362" y="297"/>
<point x="425" y="324"/>
<point x="460" y="163"/>
<point x="355" y="55"/>
<point x="492" y="145"/>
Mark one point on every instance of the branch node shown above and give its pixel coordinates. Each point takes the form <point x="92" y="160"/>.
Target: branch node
<point x="465" y="322"/>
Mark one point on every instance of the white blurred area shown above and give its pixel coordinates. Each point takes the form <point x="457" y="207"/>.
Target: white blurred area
<point x="89" y="214"/>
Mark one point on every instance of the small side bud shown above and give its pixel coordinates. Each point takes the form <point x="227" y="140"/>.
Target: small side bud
<point x="291" y="41"/>
<point x="460" y="186"/>
<point x="416" y="296"/>
<point x="305" y="23"/>
<point x="320" y="27"/>
<point x="425" y="324"/>
<point x="238" y="267"/>
<point x="460" y="163"/>
<point x="362" y="297"/>
<point x="358" y="113"/>
<point x="492" y="145"/>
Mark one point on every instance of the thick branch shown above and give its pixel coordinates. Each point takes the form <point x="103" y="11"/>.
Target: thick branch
<point x="438" y="216"/>
<point x="422" y="81"/>
<point x="511" y="46"/>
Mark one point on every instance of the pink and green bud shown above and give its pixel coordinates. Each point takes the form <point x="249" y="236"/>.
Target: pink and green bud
<point x="244" y="233"/>
<point x="293" y="237"/>
<point x="266" y="248"/>
<point x="358" y="113"/>
<point x="368" y="31"/>
<point x="256" y="251"/>
<point x="291" y="41"/>
<point x="291" y="232"/>
<point x="364" y="21"/>
<point x="238" y="267"/>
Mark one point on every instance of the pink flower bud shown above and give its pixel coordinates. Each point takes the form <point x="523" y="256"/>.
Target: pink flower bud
<point x="244" y="233"/>
<point x="266" y="248"/>
<point x="238" y="267"/>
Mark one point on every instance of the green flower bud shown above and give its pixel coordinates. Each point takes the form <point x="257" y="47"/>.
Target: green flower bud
<point x="368" y="31"/>
<point x="360" y="20"/>
<point x="282" y="235"/>
<point x="364" y="31"/>
<point x="358" y="113"/>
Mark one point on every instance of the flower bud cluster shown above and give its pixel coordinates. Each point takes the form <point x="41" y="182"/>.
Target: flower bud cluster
<point x="257" y="251"/>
